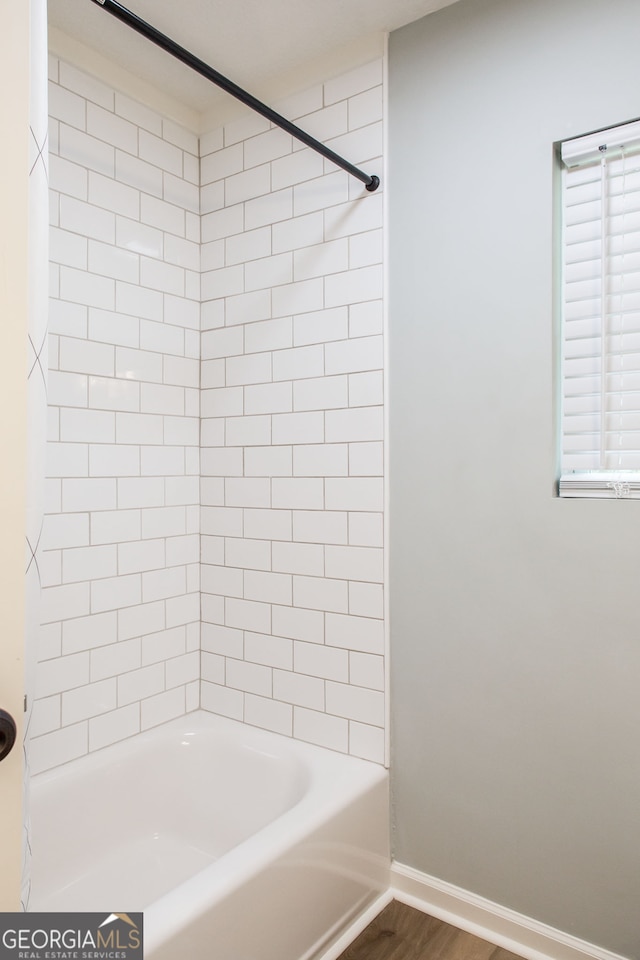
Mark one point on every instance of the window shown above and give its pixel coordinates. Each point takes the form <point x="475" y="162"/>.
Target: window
<point x="601" y="314"/>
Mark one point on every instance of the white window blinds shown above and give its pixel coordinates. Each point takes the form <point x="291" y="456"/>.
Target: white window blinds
<point x="601" y="322"/>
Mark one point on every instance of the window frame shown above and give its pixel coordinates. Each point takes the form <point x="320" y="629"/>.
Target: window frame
<point x="596" y="150"/>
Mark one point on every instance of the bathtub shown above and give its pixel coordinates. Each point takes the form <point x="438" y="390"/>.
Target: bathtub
<point x="236" y="843"/>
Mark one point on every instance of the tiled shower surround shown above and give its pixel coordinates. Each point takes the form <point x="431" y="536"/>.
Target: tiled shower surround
<point x="214" y="533"/>
<point x="121" y="608"/>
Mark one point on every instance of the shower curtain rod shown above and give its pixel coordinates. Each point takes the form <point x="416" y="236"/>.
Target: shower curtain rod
<point x="141" y="26"/>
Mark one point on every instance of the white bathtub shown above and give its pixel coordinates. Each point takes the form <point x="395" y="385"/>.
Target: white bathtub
<point x="236" y="843"/>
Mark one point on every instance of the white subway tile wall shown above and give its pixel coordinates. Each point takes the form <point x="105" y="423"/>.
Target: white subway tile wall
<point x="214" y="533"/>
<point x="292" y="424"/>
<point x="120" y="647"/>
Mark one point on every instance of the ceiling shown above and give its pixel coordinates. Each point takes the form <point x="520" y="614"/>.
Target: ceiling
<point x="252" y="42"/>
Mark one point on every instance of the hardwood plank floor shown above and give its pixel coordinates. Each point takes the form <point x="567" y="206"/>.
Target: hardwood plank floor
<point x="403" y="933"/>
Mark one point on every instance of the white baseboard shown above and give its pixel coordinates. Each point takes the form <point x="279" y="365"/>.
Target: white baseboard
<point x="515" y="932"/>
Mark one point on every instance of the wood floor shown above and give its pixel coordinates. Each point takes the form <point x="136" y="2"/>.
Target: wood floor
<point x="402" y="933"/>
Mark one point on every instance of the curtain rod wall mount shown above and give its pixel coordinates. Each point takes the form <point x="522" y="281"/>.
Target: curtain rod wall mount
<point x="170" y="46"/>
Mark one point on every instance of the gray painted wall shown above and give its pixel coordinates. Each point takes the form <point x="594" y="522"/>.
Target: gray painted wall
<point x="514" y="615"/>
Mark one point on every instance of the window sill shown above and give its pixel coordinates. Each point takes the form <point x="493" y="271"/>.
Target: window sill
<point x="601" y="485"/>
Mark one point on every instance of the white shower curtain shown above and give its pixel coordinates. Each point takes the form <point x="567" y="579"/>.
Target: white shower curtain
<point x="37" y="377"/>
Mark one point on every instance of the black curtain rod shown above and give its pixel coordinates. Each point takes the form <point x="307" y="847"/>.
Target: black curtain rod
<point x="117" y="10"/>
